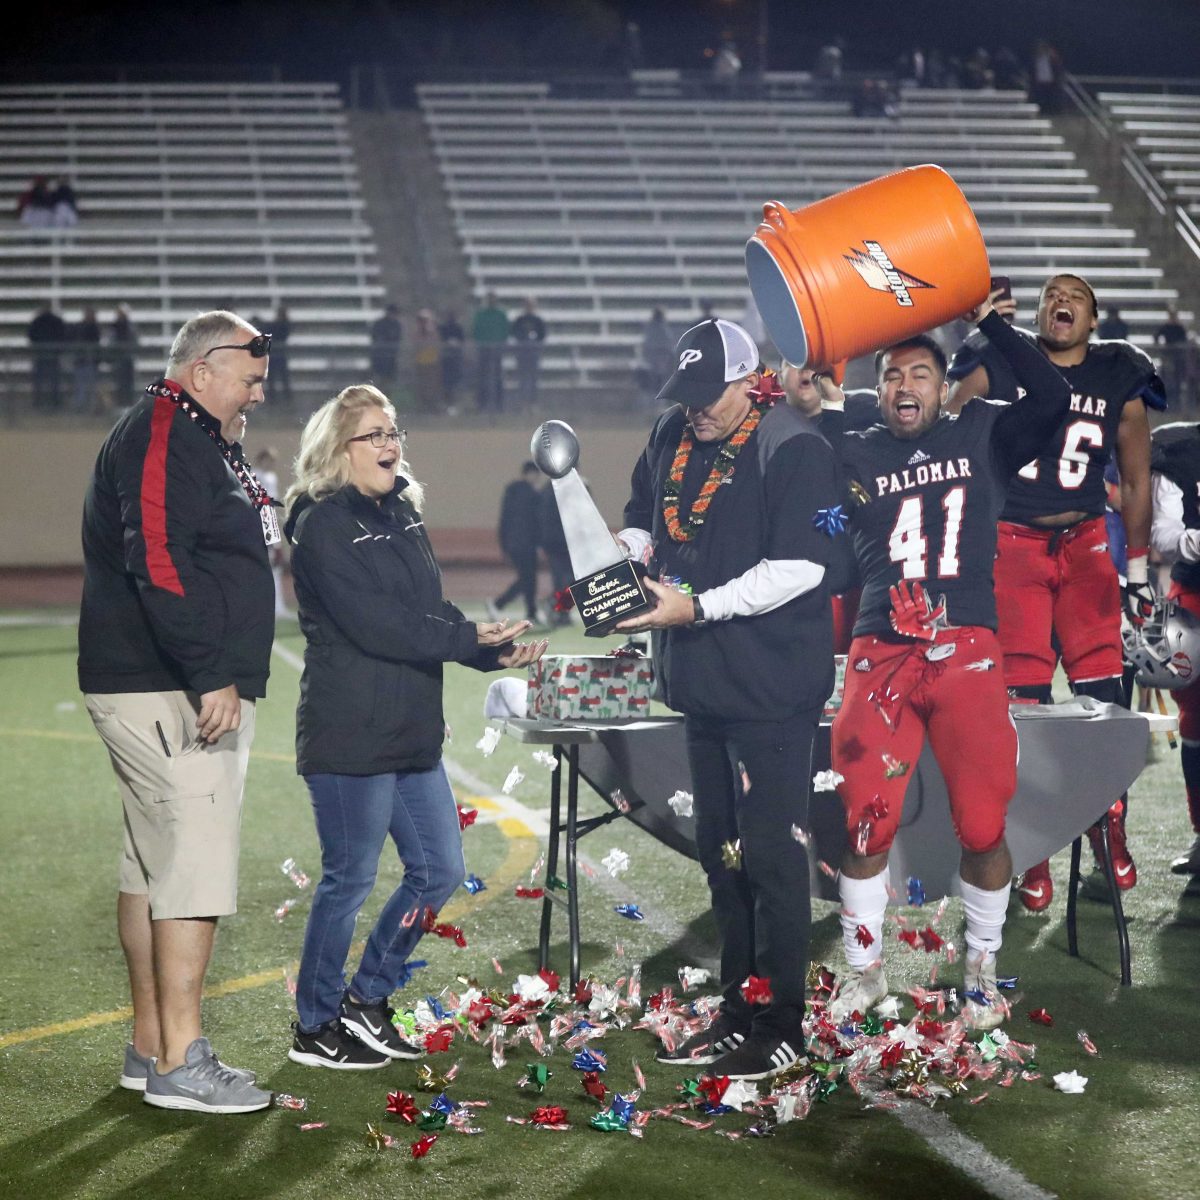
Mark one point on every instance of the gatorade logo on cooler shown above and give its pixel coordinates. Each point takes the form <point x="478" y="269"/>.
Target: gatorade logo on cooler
<point x="880" y="274"/>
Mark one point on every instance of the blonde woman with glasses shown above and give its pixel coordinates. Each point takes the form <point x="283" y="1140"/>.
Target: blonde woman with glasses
<point x="369" y="725"/>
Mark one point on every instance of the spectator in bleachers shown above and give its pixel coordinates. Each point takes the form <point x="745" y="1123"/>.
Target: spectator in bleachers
<point x="279" y="382"/>
<point x="47" y="333"/>
<point x="454" y="346"/>
<point x="528" y="332"/>
<point x="1008" y="73"/>
<point x="1046" y="74"/>
<point x="386" y="335"/>
<point x="1171" y="338"/>
<point x="977" y="70"/>
<point x="427" y="361"/>
<point x="726" y="65"/>
<point x="828" y="68"/>
<point x="489" y="332"/>
<point x="912" y="68"/>
<point x="35" y="207"/>
<point x="1113" y="325"/>
<point x="658" y="355"/>
<point x="65" y="210"/>
<point x="85" y="339"/>
<point x="122" y="341"/>
<point x="874" y="98"/>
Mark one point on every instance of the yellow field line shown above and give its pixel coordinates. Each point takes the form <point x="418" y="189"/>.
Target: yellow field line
<point x="521" y="852"/>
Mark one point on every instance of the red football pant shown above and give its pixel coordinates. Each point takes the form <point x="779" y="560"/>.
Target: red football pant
<point x="1057" y="583"/>
<point x="894" y="696"/>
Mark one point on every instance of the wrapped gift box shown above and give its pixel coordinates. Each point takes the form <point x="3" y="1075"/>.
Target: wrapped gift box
<point x="569" y="687"/>
<point x="834" y="703"/>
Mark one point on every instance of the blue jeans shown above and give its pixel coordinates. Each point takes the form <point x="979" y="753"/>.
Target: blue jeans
<point x="355" y="814"/>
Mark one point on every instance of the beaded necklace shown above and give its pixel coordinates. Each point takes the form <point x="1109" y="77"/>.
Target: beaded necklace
<point x="762" y="398"/>
<point x="232" y="454"/>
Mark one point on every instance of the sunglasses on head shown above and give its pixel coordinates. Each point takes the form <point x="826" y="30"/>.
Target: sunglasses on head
<point x="258" y="346"/>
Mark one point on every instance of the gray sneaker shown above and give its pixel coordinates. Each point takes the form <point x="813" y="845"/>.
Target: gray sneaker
<point x="138" y="1067"/>
<point x="202" y="1084"/>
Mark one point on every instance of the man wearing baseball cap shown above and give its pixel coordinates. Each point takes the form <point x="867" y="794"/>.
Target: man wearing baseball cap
<point x="733" y="505"/>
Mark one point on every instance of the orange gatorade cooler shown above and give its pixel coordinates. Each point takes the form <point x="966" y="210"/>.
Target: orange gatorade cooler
<point x="868" y="267"/>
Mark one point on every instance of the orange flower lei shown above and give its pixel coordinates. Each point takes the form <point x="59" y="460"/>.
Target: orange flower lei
<point x="721" y="470"/>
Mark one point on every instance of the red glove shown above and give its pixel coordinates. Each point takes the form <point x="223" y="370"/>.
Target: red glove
<point x="912" y="613"/>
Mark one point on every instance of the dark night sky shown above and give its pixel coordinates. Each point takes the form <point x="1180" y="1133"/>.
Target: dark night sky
<point x="309" y="39"/>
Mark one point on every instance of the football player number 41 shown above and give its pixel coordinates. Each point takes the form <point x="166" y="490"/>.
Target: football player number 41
<point x="908" y="544"/>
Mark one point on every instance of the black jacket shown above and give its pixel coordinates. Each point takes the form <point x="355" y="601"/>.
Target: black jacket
<point x="177" y="589"/>
<point x="377" y="632"/>
<point x="518" y="529"/>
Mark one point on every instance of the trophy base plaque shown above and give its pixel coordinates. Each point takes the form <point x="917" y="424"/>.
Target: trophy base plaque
<point x="609" y="596"/>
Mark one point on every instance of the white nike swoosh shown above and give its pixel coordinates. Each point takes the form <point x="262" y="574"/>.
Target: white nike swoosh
<point x="374" y="1032"/>
<point x="1034" y="893"/>
<point x="332" y="1053"/>
<point x="1123" y="871"/>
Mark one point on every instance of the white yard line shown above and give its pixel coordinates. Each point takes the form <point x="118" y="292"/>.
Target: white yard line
<point x="935" y="1129"/>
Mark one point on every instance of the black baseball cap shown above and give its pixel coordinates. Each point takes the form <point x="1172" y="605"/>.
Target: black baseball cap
<point x="709" y="357"/>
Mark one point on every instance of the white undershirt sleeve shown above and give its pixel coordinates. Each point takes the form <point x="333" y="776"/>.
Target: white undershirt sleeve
<point x="1168" y="534"/>
<point x="764" y="587"/>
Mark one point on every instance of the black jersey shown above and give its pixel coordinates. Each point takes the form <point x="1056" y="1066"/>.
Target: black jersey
<point x="932" y="502"/>
<point x="1175" y="454"/>
<point x="1069" y="475"/>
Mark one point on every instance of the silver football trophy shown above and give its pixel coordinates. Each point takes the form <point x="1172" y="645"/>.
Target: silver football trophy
<point x="608" y="587"/>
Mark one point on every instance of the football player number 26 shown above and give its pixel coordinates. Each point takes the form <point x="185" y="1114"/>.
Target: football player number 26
<point x="1073" y="462"/>
<point x="909" y="545"/>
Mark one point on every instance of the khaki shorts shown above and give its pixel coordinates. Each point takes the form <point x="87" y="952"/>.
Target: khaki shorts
<point x="182" y="800"/>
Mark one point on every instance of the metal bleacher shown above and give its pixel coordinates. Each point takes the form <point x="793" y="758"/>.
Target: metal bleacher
<point x="191" y="196"/>
<point x="1162" y="128"/>
<point x="603" y="209"/>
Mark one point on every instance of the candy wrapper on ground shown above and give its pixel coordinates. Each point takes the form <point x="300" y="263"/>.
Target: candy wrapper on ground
<point x="568" y="687"/>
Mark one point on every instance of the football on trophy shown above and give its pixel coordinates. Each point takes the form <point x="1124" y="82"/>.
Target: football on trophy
<point x="554" y="448"/>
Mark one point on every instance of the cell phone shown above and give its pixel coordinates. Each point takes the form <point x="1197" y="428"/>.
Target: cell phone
<point x="1004" y="285"/>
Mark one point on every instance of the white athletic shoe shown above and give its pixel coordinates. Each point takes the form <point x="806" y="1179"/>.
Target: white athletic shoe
<point x="984" y="1007"/>
<point x="859" y="993"/>
<point x="1189" y="863"/>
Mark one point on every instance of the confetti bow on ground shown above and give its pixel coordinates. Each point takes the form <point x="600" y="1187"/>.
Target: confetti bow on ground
<point x="528" y="893"/>
<point x="537" y="1075"/>
<point x="549" y="1114"/>
<point x="690" y="977"/>
<point x="827" y="781"/>
<point x="615" y="861"/>
<point x="588" y="1061"/>
<point x="630" y="911"/>
<point x="864" y="937"/>
<point x="916" y="892"/>
<point x="544" y="758"/>
<point x="423" y="1145"/>
<point x="893" y="767"/>
<point x="731" y="855"/>
<point x="400" y="1104"/>
<point x="1070" y="1082"/>
<point x="756" y="990"/>
<point x="466" y="816"/>
<point x="1041" y="1016"/>
<point x="474" y="884"/>
<point x="376" y="1139"/>
<point x="511" y="780"/>
<point x="437" y="1041"/>
<point x="681" y="804"/>
<point x="593" y="1086"/>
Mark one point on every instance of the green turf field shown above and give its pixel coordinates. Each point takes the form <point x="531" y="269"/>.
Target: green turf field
<point x="69" y="1131"/>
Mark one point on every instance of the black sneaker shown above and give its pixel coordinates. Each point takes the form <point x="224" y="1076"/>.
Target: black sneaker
<point x="372" y="1024"/>
<point x="758" y="1057"/>
<point x="335" y="1047"/>
<point x="702" y="1048"/>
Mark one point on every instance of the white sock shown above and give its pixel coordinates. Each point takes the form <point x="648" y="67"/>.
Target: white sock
<point x="985" y="916"/>
<point x="864" y="902"/>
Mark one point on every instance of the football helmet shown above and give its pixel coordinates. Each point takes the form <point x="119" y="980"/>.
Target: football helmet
<point x="1165" y="651"/>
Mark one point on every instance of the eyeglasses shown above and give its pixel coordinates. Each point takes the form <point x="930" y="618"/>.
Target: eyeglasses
<point x="257" y="347"/>
<point x="379" y="438"/>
